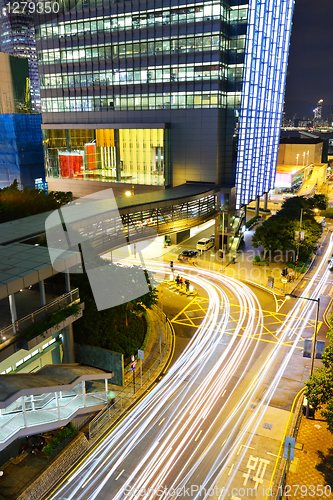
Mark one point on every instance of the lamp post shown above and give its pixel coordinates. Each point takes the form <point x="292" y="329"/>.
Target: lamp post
<point x="299" y="235"/>
<point x="222" y="268"/>
<point x="288" y="295"/>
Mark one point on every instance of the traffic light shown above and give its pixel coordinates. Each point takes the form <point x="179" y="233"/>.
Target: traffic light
<point x="296" y="263"/>
<point x="171" y="264"/>
<point x="284" y="272"/>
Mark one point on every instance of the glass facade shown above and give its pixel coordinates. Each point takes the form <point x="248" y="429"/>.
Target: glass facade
<point x="138" y="156"/>
<point x="17" y="37"/>
<point x="120" y="56"/>
<point x="265" y="67"/>
<point x="139" y="62"/>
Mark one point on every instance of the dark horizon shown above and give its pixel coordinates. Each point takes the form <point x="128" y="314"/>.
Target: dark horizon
<point x="310" y="74"/>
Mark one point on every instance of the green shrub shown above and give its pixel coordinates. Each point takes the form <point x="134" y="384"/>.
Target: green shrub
<point x="48" y="449"/>
<point x="55" y="319"/>
<point x="252" y="221"/>
<point x="257" y="258"/>
<point x="260" y="263"/>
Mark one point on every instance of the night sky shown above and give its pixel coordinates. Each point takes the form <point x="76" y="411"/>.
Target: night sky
<point x="310" y="68"/>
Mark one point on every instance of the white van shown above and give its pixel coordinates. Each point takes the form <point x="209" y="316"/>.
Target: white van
<point x="205" y="244"/>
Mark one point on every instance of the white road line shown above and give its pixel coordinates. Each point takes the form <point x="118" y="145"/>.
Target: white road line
<point x="196" y="439"/>
<point x="119" y="474"/>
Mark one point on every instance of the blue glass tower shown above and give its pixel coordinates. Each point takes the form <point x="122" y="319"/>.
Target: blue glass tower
<point x="265" y="67"/>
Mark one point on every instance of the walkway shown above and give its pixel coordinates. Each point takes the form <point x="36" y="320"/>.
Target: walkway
<point x="313" y="435"/>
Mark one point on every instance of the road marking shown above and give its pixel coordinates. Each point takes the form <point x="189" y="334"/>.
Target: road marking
<point x="119" y="474"/>
<point x="230" y="471"/>
<point x="224" y="393"/>
<point x="223" y="443"/>
<point x="244" y="446"/>
<point x="161" y="421"/>
<point x="269" y="453"/>
<point x="302" y="284"/>
<point x="196" y="439"/>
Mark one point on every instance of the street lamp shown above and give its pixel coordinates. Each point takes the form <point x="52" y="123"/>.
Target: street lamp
<point x="288" y="296"/>
<point x="299" y="234"/>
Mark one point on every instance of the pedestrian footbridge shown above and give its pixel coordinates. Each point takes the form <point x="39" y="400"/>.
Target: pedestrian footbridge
<point x="49" y="399"/>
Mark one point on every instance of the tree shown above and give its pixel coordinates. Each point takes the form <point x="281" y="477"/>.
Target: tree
<point x="319" y="201"/>
<point x="279" y="231"/>
<point x="121" y="328"/>
<point x="274" y="234"/>
<point x="16" y="203"/>
<point x="319" y="389"/>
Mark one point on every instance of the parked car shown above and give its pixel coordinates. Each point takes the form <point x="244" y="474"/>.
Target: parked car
<point x="188" y="255"/>
<point x="205" y="244"/>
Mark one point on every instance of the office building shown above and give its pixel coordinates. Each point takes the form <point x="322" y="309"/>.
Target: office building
<point x="17" y="37"/>
<point x="21" y="151"/>
<point x="161" y="93"/>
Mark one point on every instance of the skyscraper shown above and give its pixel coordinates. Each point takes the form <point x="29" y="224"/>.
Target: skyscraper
<point x="164" y="92"/>
<point x="17" y="37"/>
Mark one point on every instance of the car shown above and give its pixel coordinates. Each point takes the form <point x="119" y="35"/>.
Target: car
<point x="188" y="255"/>
<point x="205" y="244"/>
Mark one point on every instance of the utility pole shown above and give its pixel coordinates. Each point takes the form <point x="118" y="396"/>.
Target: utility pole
<point x="222" y="268"/>
<point x="299" y="233"/>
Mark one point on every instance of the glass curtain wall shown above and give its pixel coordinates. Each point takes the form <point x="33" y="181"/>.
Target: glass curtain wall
<point x="135" y="156"/>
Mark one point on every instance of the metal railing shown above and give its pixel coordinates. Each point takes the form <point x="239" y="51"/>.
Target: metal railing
<point x="134" y="384"/>
<point x="40" y="314"/>
<point x="279" y="489"/>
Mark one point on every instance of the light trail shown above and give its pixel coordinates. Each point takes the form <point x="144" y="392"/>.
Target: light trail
<point x="185" y="401"/>
<point x="192" y="402"/>
<point x="293" y="326"/>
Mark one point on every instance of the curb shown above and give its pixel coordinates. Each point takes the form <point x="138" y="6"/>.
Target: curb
<point x="290" y="428"/>
<point x="98" y="438"/>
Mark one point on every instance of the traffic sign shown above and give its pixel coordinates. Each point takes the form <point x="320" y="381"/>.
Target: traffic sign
<point x="289" y="448"/>
<point x="141" y="354"/>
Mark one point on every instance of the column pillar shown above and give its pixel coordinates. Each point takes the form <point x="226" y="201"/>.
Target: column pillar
<point x="106" y="389"/>
<point x="68" y="345"/>
<point x="257" y="205"/>
<point x="84" y="393"/>
<point x="265" y="201"/>
<point x="42" y="293"/>
<point x="216" y="230"/>
<point x="24" y="411"/>
<point x="57" y="403"/>
<point x="12" y="307"/>
<point x="67" y="281"/>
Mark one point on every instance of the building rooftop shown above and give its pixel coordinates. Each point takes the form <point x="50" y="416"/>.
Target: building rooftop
<point x="19" y="229"/>
<point x="179" y="192"/>
<point x="300" y="140"/>
<point x="51" y="378"/>
<point x="22" y="265"/>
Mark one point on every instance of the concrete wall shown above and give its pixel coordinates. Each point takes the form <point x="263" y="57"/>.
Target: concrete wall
<point x="103" y="359"/>
<point x="80" y="187"/>
<point x="288" y="153"/>
<point x="49" y="356"/>
<point x="60" y="466"/>
<point x="199" y="152"/>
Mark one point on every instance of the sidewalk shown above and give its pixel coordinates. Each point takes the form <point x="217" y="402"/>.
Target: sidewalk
<point x="243" y="268"/>
<point x="313" y="435"/>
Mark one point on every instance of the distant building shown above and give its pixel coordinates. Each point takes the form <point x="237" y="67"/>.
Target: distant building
<point x="17" y="37"/>
<point x="21" y="152"/>
<point x="317" y="112"/>
<point x="300" y="161"/>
